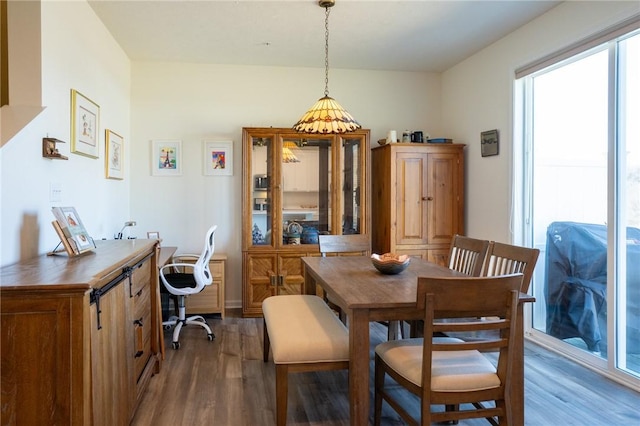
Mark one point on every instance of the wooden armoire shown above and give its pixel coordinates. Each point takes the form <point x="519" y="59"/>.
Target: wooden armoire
<point x="417" y="199"/>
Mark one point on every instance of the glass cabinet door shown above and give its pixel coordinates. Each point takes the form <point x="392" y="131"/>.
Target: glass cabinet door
<point x="300" y="186"/>
<point x="306" y="188"/>
<point x="261" y="190"/>
<point x="351" y="180"/>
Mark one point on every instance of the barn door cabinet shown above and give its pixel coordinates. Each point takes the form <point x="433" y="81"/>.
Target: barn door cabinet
<point x="295" y="187"/>
<point x="417" y="199"/>
<point x="80" y="335"/>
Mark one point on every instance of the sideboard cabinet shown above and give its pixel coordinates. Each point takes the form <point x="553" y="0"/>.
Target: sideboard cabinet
<point x="80" y="335"/>
<point x="295" y="187"/>
<point x="418" y="199"/>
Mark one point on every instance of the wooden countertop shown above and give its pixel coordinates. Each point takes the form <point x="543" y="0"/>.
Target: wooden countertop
<point x="78" y="273"/>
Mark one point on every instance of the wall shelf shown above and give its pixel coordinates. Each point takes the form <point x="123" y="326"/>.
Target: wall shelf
<point x="49" y="149"/>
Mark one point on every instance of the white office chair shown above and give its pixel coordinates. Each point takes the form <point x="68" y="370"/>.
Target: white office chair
<point x="182" y="284"/>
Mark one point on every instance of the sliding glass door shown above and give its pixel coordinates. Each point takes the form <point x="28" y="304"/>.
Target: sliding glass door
<point x="581" y="172"/>
<point x="627" y="267"/>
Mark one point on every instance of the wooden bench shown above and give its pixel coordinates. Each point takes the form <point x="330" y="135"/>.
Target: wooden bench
<point x="303" y="334"/>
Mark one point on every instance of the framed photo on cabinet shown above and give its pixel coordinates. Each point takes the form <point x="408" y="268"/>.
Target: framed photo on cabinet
<point x="166" y="157"/>
<point x="71" y="230"/>
<point x="218" y="158"/>
<point x="85" y="119"/>
<point x="114" y="155"/>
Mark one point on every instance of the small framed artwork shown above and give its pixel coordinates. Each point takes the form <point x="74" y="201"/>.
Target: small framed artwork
<point x="166" y="157"/>
<point x="218" y="158"/>
<point x="114" y="155"/>
<point x="154" y="235"/>
<point x="489" y="142"/>
<point x="85" y="119"/>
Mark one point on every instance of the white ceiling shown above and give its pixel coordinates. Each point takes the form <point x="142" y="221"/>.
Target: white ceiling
<point x="409" y="35"/>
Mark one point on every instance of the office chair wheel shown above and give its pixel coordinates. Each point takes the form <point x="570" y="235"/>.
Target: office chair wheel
<point x="175" y="345"/>
<point x="167" y="327"/>
<point x="210" y="336"/>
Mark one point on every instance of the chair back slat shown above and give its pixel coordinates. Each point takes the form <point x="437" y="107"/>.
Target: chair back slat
<point x="467" y="255"/>
<point x="504" y="259"/>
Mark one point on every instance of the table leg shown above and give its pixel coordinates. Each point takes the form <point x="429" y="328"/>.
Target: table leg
<point x="359" y="367"/>
<point x="309" y="283"/>
<point x="517" y="383"/>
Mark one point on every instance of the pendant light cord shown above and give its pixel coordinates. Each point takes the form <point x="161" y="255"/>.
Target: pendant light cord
<point x="326" y="51"/>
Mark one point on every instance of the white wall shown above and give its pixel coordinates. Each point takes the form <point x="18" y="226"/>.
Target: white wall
<point x="477" y="95"/>
<point x="193" y="102"/>
<point x="78" y="53"/>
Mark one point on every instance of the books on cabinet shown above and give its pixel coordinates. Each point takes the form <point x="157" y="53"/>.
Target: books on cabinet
<point x="70" y="229"/>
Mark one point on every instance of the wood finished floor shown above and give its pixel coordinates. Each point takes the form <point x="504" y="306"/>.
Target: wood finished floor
<point x="225" y="382"/>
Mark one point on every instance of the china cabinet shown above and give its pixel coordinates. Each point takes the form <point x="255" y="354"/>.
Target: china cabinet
<point x="417" y="199"/>
<point x="295" y="187"/>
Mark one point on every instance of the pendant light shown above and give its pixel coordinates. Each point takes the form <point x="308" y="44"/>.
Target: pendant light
<point x="326" y="116"/>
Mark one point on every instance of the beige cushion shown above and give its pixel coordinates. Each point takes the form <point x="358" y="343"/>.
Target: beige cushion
<point x="303" y="329"/>
<point x="451" y="371"/>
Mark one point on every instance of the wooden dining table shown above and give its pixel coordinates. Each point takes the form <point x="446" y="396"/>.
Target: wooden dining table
<point x="366" y="295"/>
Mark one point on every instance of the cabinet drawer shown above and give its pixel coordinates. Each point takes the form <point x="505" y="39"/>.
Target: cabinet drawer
<point x="141" y="321"/>
<point x="140" y="276"/>
<point x="211" y="299"/>
<point x="141" y="302"/>
<point x="217" y="268"/>
<point x="142" y="355"/>
<point x="142" y="342"/>
<point x="207" y="301"/>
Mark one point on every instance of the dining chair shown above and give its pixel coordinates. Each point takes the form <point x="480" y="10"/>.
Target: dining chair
<point x="467" y="255"/>
<point x="450" y="372"/>
<point x="503" y="259"/>
<point x="182" y="279"/>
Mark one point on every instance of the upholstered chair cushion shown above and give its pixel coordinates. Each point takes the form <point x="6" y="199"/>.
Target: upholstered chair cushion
<point x="452" y="371"/>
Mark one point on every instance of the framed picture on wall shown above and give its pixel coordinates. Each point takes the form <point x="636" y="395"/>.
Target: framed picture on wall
<point x="166" y="157"/>
<point x="218" y="158"/>
<point x="489" y="143"/>
<point x="114" y="155"/>
<point x="85" y="120"/>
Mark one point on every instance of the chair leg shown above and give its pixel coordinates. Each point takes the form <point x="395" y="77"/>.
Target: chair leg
<point x="282" y="392"/>
<point x="201" y="322"/>
<point x="266" y="346"/>
<point x="395" y="330"/>
<point x="176" y="332"/>
<point x="378" y="385"/>
<point x="452" y="407"/>
<point x="343" y="316"/>
<point x="181" y="321"/>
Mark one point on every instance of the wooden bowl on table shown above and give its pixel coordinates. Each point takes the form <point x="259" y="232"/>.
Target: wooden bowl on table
<point x="389" y="263"/>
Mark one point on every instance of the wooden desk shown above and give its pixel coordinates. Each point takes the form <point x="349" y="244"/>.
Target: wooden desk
<point x="165" y="255"/>
<point x="366" y="295"/>
<point x="211" y="299"/>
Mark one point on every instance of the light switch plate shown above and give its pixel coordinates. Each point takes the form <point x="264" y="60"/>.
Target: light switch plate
<point x="55" y="192"/>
